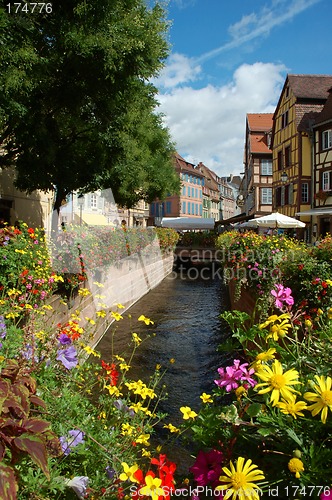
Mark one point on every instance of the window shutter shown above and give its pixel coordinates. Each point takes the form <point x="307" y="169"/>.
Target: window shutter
<point x="291" y="194"/>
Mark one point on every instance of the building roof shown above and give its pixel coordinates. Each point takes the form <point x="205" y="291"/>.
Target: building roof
<point x="258" y="144"/>
<point x="259" y="122"/>
<point x="310" y="86"/>
<point x="326" y="113"/>
<point x="185" y="165"/>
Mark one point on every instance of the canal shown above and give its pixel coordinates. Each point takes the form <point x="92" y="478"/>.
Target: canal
<point x="186" y="333"/>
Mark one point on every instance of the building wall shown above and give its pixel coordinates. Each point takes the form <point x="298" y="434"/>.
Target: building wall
<point x="35" y="209"/>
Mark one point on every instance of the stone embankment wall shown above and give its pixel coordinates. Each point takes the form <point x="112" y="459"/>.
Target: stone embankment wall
<point x="124" y="282"/>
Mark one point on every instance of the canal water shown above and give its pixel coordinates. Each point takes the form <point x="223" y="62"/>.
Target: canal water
<point x="184" y="338"/>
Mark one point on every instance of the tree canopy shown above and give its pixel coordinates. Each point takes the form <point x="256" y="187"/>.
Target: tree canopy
<point x="77" y="109"/>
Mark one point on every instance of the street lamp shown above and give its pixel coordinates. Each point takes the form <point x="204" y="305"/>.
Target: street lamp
<point x="284" y="177"/>
<point x="80" y="201"/>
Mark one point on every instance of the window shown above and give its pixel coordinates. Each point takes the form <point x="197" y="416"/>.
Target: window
<point x="196" y="209"/>
<point x="266" y="196"/>
<point x="168" y="207"/>
<point x="193" y="208"/>
<point x="326" y="181"/>
<point x="287" y="156"/>
<point x="188" y="207"/>
<point x="280" y="162"/>
<point x="184" y="190"/>
<point x="266" y="167"/>
<point x="305" y="192"/>
<point x="200" y="210"/>
<point x="327" y="139"/>
<point x="93" y="200"/>
<point x="183" y="207"/>
<point x="284" y="119"/>
<point x="152" y="208"/>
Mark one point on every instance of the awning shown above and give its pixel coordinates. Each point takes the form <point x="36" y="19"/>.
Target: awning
<point x="96" y="220"/>
<point x="187" y="222"/>
<point x="232" y="220"/>
<point x="316" y="211"/>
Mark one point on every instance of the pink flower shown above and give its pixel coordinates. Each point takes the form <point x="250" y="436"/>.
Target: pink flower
<point x="283" y="296"/>
<point x="327" y="494"/>
<point x="231" y="376"/>
<point x="207" y="467"/>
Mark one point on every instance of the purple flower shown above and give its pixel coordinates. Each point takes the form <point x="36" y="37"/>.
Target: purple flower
<point x="110" y="472"/>
<point x="68" y="357"/>
<point x="282" y="295"/>
<point x="64" y="339"/>
<point x="79" y="484"/>
<point x="74" y="438"/>
<point x="207" y="467"/>
<point x="3" y="329"/>
<point x="119" y="405"/>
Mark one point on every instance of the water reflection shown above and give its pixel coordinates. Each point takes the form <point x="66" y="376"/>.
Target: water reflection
<point x="187" y="329"/>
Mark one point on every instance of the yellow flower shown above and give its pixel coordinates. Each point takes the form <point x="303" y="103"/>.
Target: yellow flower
<point x="241" y="480"/>
<point x="116" y="316"/>
<point x="152" y="488"/>
<point x="90" y="320"/>
<point x="308" y="323"/>
<point x="239" y="392"/>
<point x="276" y="381"/>
<point x="84" y="292"/>
<point x="319" y="311"/>
<point x="172" y="361"/>
<point x="127" y="429"/>
<point x="171" y="428"/>
<point x="124" y="367"/>
<point x="143" y="439"/>
<point x="329" y="313"/>
<point x="291" y="407"/>
<point x="272" y="319"/>
<point x="145" y="453"/>
<point x="136" y="339"/>
<point x="120" y="306"/>
<point x="279" y="330"/>
<point x="99" y="285"/>
<point x="295" y="465"/>
<point x="147" y="321"/>
<point x="128" y="472"/>
<point x="206" y="398"/>
<point x="187" y="412"/>
<point x="101" y="314"/>
<point x="113" y="390"/>
<point x="322" y="398"/>
<point x="158" y="367"/>
<point x="264" y="356"/>
<point x="90" y="351"/>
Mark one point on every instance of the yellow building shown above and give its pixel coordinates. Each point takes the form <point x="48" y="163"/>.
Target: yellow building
<point x="301" y="100"/>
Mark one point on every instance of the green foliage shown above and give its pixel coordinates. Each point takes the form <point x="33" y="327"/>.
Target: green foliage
<point x="76" y="108"/>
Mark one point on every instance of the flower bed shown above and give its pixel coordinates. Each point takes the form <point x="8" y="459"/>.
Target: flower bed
<point x="85" y="430"/>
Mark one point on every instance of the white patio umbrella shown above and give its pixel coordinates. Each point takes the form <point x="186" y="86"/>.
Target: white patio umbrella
<point x="276" y="220"/>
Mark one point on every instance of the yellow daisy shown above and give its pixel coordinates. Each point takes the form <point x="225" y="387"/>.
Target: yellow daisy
<point x="240" y="481"/>
<point x="295" y="465"/>
<point x="322" y="398"/>
<point x="187" y="412"/>
<point x="276" y="381"/>
<point x="291" y="407"/>
<point x="152" y="488"/>
<point x="128" y="472"/>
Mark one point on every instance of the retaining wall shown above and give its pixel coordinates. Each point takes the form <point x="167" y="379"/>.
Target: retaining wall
<point x="124" y="282"/>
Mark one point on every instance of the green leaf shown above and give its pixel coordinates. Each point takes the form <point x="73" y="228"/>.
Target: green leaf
<point x="292" y="434"/>
<point x="8" y="484"/>
<point x="254" y="409"/>
<point x="35" y="447"/>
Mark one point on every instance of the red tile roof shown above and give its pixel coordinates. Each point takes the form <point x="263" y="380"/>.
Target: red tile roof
<point x="258" y="144"/>
<point x="259" y="122"/>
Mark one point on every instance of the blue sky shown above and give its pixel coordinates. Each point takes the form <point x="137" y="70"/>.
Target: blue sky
<point x="229" y="58"/>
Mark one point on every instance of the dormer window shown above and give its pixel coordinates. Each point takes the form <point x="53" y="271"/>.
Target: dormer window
<point x="284" y="119"/>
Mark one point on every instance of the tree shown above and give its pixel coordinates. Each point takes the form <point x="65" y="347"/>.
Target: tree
<point x="77" y="111"/>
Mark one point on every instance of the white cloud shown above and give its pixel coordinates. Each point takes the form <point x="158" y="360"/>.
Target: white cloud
<point x="180" y="69"/>
<point x="259" y="24"/>
<point x="208" y="124"/>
